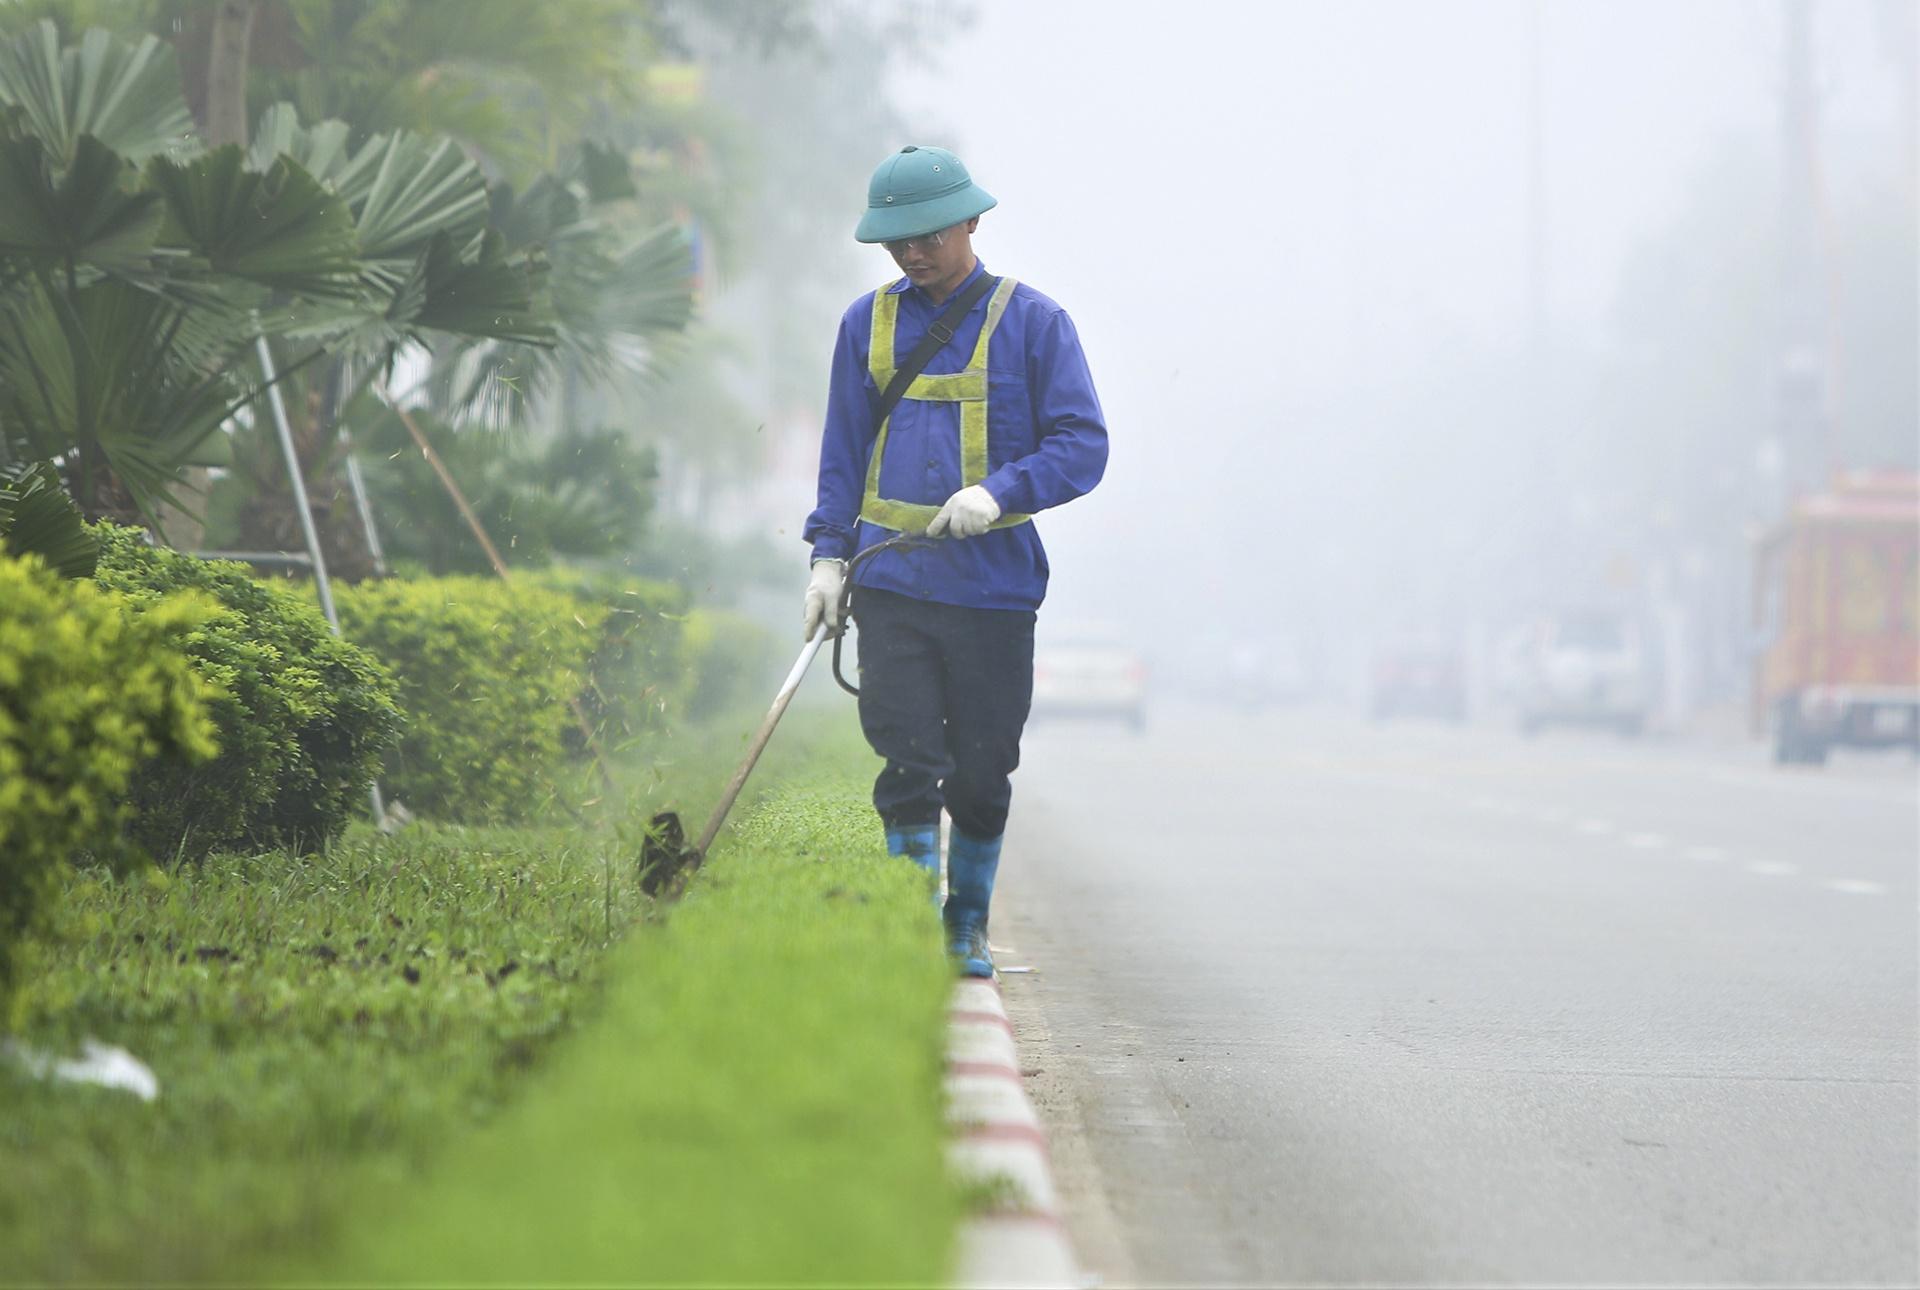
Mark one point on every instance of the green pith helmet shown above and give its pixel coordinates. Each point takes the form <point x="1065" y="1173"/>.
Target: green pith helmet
<point x="917" y="191"/>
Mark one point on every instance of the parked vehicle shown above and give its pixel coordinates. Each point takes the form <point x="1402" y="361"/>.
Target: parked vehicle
<point x="1587" y="667"/>
<point x="1834" y="602"/>
<point x="1090" y="672"/>
<point x="1419" y="677"/>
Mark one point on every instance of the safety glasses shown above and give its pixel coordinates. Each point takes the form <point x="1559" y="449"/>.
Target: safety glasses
<point x="925" y="242"/>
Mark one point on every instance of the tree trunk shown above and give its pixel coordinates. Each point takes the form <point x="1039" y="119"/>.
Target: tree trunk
<point x="227" y="45"/>
<point x="228" y="38"/>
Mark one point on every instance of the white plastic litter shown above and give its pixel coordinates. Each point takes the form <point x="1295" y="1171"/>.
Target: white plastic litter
<point x="107" y="1065"/>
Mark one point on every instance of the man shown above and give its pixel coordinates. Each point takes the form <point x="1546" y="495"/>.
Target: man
<point x="1004" y="423"/>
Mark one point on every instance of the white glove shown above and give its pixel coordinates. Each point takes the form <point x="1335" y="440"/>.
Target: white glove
<point x="968" y="513"/>
<point x="823" y="596"/>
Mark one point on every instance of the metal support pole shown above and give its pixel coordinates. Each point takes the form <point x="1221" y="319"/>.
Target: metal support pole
<point x="358" y="485"/>
<point x="312" y="535"/>
<point x="298" y="482"/>
<point x="356" y="482"/>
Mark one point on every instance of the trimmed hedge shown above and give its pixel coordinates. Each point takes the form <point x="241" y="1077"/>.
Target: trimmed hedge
<point x="88" y="693"/>
<point x="486" y="670"/>
<point x="660" y="661"/>
<point x="733" y="658"/>
<point x="638" y="677"/>
<point x="304" y="717"/>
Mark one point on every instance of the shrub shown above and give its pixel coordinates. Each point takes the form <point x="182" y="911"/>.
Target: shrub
<point x="87" y="694"/>
<point x="730" y="657"/>
<point x="486" y="669"/>
<point x="638" y="674"/>
<point x="578" y="493"/>
<point x="304" y="717"/>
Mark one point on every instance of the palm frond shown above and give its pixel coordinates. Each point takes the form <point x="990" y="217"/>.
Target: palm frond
<point x="481" y="297"/>
<point x="654" y="291"/>
<point x="320" y="149"/>
<point x="85" y="213"/>
<point x="213" y="315"/>
<point x="475" y="381"/>
<point x="405" y="190"/>
<point x="277" y="227"/>
<point x="114" y="370"/>
<point x="37" y="517"/>
<point x="606" y="173"/>
<point x="547" y="212"/>
<point x="482" y="293"/>
<point x="124" y="93"/>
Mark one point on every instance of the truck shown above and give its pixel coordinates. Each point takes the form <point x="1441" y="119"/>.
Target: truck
<point x="1837" y="583"/>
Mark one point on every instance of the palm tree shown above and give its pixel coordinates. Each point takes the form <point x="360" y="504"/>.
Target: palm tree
<point x="137" y="267"/>
<point x="37" y="516"/>
<point x="618" y="298"/>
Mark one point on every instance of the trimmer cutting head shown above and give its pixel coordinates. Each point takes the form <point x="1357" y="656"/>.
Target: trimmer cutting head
<point x="666" y="861"/>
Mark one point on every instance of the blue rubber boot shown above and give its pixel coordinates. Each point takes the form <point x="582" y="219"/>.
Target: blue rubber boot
<point x="971" y="865"/>
<point x="921" y="844"/>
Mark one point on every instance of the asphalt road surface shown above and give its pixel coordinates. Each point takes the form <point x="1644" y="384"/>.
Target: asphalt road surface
<point x="1314" y="1001"/>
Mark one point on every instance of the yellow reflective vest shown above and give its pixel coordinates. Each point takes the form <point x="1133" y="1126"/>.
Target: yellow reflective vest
<point x="967" y="387"/>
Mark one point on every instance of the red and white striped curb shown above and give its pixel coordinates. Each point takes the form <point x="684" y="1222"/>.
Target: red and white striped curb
<point x="998" y="1140"/>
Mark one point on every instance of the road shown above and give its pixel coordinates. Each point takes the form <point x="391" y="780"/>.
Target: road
<point x="1313" y="1001"/>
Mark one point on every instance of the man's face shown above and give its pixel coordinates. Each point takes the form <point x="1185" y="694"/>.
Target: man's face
<point x="937" y="262"/>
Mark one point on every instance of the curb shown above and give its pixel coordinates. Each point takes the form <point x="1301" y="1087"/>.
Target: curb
<point x="998" y="1139"/>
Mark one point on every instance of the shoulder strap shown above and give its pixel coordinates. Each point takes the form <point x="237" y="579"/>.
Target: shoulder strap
<point x="938" y="334"/>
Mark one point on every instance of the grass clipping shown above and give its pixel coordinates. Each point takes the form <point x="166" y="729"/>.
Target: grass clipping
<point x="759" y="1101"/>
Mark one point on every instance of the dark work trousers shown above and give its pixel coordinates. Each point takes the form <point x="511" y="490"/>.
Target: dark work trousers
<point x="944" y="693"/>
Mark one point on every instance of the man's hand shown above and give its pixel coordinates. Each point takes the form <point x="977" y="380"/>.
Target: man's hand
<point x="968" y="513"/>
<point x="823" y="596"/>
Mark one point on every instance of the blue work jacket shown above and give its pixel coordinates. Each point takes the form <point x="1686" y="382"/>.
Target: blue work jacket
<point x="1046" y="444"/>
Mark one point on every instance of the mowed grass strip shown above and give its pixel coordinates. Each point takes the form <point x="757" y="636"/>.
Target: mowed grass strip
<point x="317" y="1024"/>
<point x="758" y="1100"/>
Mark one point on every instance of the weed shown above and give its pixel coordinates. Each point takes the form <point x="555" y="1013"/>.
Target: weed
<point x="994" y="1193"/>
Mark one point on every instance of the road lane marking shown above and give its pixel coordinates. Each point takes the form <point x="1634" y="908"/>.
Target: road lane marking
<point x="1856" y="887"/>
<point x="1594" y="828"/>
<point x="1706" y="855"/>
<point x="1773" y="868"/>
<point x="1646" y="841"/>
<point x="1495" y="806"/>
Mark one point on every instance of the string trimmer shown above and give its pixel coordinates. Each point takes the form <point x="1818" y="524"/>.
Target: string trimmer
<point x="666" y="861"/>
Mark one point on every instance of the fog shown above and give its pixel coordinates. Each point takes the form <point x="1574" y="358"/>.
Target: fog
<point x="1373" y="297"/>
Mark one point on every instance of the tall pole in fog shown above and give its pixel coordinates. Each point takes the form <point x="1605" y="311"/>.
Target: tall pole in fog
<point x="1901" y="24"/>
<point x="1799" y="452"/>
<point x="1537" y="387"/>
<point x="1536" y="194"/>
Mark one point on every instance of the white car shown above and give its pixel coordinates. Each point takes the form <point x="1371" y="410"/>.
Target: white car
<point x="1090" y="673"/>
<point x="1585" y="667"/>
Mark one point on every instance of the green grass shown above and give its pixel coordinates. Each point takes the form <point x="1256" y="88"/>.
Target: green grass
<point x="758" y="1101"/>
<point x="309" y="1021"/>
<point x="443" y="1056"/>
